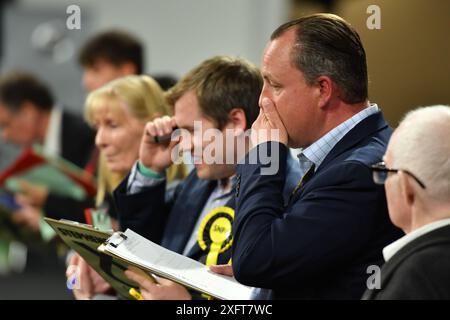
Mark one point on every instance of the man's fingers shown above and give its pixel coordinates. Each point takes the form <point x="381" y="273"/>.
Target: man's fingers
<point x="142" y="281"/>
<point x="167" y="124"/>
<point x="160" y="127"/>
<point x="73" y="264"/>
<point x="173" y="122"/>
<point x="75" y="259"/>
<point x="271" y="113"/>
<point x="163" y="281"/>
<point x="150" y="129"/>
<point x="224" y="269"/>
<point x="164" y="126"/>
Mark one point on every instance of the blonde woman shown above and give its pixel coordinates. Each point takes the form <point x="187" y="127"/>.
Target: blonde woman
<point x="119" y="112"/>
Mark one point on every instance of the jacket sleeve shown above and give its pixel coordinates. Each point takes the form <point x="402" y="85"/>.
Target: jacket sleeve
<point x="59" y="207"/>
<point x="323" y="229"/>
<point x="145" y="212"/>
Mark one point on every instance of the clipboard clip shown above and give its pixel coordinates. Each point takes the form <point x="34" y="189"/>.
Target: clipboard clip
<point x="116" y="239"/>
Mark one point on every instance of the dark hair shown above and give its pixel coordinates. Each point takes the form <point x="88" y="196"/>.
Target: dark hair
<point x="328" y="45"/>
<point x="165" y="81"/>
<point x="115" y="47"/>
<point x="17" y="88"/>
<point x="221" y="84"/>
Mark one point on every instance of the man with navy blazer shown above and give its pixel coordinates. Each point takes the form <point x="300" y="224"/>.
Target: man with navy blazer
<point x="319" y="245"/>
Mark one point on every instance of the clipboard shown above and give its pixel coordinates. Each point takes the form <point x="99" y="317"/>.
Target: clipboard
<point x="85" y="240"/>
<point x="135" y="250"/>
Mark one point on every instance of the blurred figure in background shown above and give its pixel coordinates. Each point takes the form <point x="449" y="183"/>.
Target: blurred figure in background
<point x="110" y="55"/>
<point x="105" y="57"/>
<point x="416" y="175"/>
<point x="28" y="116"/>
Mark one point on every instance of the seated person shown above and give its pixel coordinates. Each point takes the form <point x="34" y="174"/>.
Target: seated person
<point x="315" y="96"/>
<point x="28" y="116"/>
<point x="416" y="175"/>
<point x="119" y="111"/>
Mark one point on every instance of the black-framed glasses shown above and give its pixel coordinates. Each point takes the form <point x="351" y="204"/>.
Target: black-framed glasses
<point x="380" y="174"/>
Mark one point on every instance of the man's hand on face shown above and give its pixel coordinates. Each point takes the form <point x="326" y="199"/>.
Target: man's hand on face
<point x="157" y="155"/>
<point x="268" y="126"/>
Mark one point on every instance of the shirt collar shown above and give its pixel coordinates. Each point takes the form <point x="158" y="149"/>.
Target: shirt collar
<point x="317" y="151"/>
<point x="220" y="192"/>
<point x="390" y="250"/>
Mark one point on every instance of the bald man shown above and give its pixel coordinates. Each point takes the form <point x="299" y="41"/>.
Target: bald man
<point x="416" y="175"/>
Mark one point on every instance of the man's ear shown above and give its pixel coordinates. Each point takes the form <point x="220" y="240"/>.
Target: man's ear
<point x="407" y="190"/>
<point x="237" y="120"/>
<point x="128" y="68"/>
<point x="326" y="88"/>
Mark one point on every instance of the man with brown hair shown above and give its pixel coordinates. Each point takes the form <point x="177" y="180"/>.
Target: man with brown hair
<point x="321" y="243"/>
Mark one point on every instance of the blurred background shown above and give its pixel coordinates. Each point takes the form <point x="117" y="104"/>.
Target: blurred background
<point x="408" y="60"/>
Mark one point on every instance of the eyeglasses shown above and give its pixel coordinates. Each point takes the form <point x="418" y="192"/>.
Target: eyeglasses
<point x="380" y="174"/>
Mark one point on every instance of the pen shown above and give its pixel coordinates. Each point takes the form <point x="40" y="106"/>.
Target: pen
<point x="162" y="139"/>
<point x="135" y="294"/>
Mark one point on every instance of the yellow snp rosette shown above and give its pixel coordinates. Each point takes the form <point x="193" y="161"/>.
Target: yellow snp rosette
<point x="215" y="234"/>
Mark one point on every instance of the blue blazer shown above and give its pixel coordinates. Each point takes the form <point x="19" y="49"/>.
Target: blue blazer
<point x="320" y="245"/>
<point x="418" y="271"/>
<point x="170" y="220"/>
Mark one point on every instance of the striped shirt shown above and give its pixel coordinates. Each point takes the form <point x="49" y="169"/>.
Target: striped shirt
<point x="317" y="151"/>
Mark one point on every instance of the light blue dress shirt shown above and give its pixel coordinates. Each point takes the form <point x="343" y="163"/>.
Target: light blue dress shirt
<point x="316" y="152"/>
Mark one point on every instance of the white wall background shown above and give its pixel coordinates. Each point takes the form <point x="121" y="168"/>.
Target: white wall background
<point x="181" y="33"/>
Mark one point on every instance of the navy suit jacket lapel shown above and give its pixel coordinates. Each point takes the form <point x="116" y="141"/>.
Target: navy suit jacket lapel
<point x="361" y="131"/>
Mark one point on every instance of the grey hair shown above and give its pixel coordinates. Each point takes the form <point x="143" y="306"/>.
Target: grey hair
<point x="422" y="146"/>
